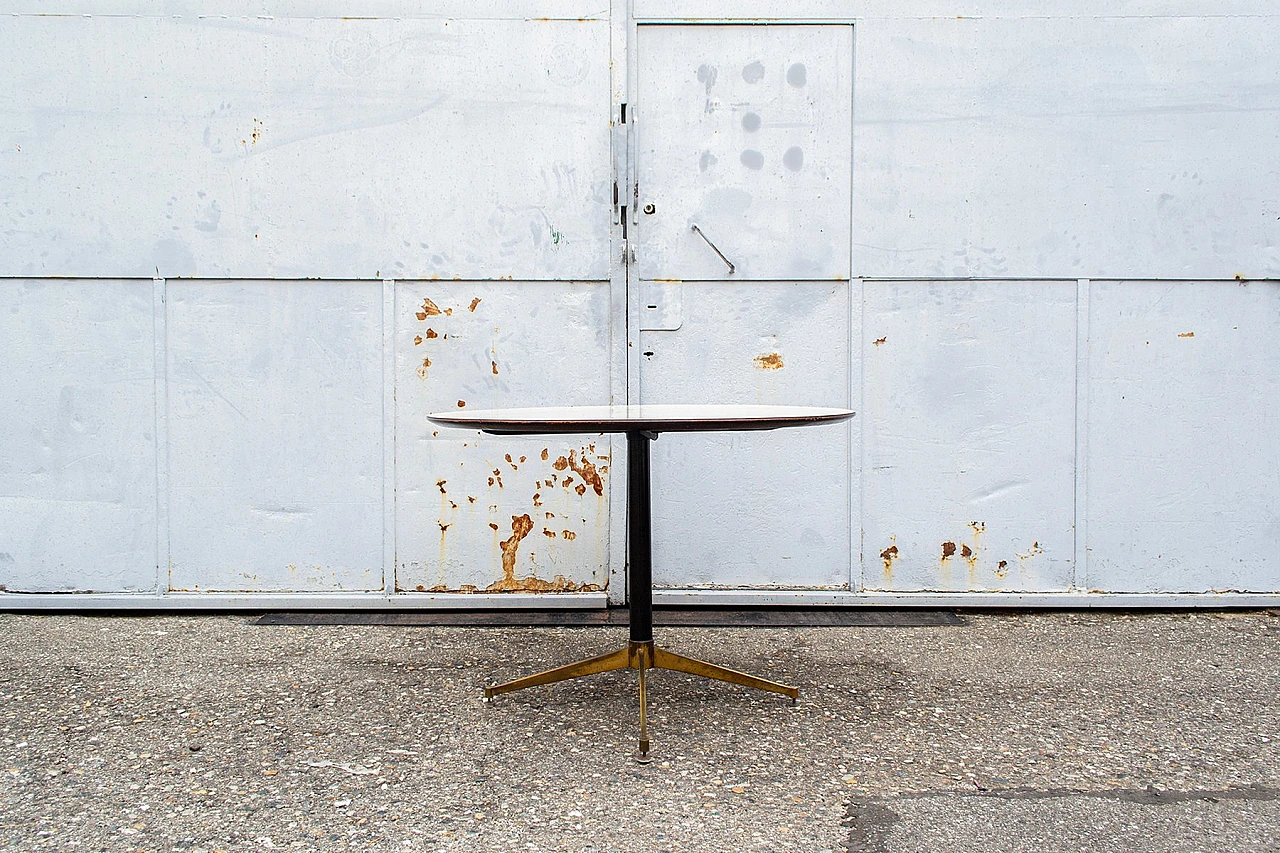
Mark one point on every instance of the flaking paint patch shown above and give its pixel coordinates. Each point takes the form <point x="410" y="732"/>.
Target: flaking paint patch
<point x="586" y="469"/>
<point x="474" y="303"/>
<point x="769" y="361"/>
<point x="888" y="555"/>
<point x="948" y="549"/>
<point x="522" y="526"/>
<point x="428" y="309"/>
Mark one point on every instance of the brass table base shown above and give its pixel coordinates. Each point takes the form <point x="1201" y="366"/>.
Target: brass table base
<point x="641" y="656"/>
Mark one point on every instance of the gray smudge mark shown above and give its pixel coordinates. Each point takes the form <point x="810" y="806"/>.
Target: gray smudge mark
<point x="754" y="72"/>
<point x="751" y="122"/>
<point x="793" y="159"/>
<point x="752" y="159"/>
<point x="707" y="76"/>
<point x="796" y="74"/>
<point x="706" y="161"/>
<point x="209" y="222"/>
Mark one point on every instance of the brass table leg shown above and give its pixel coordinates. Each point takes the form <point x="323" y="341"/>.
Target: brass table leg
<point x="621" y="659"/>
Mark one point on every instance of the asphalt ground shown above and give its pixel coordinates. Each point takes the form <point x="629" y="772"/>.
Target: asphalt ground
<point x="1002" y="732"/>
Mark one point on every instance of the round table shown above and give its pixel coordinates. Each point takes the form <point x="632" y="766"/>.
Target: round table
<point x="642" y="424"/>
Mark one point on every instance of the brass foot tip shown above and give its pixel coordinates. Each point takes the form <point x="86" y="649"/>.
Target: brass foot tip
<point x="643" y="757"/>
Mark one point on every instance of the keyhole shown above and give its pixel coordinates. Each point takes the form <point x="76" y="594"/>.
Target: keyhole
<point x="649" y="209"/>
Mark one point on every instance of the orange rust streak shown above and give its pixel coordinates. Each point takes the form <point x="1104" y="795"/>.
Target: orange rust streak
<point x="494" y="365"/>
<point x="880" y="341"/>
<point x="417" y="339"/>
<point x="587" y="471"/>
<point x="551" y="534"/>
<point x="769" y="361"/>
<point x="431" y="333"/>
<point x="560" y="464"/>
<point x="474" y="303"/>
<point x="948" y="549"/>
<point x="544" y="454"/>
<point x="569" y="534"/>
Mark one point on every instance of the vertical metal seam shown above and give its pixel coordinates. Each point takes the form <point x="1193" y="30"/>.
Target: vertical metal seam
<point x="1080" y="563"/>
<point x="857" y="395"/>
<point x="388" y="438"/>
<point x="160" y="360"/>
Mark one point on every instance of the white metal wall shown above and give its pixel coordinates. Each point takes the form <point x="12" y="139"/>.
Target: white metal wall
<point x="246" y="246"/>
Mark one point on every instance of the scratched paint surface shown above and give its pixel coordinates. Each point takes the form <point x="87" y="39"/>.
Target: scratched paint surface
<point x="477" y="512"/>
<point x="969" y="435"/>
<point x="1184" y="436"/>
<point x="275" y="435"/>
<point x="77" y="457"/>
<point x="264" y="147"/>
<point x="753" y="509"/>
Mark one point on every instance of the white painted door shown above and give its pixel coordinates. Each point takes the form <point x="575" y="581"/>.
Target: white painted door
<point x="741" y="235"/>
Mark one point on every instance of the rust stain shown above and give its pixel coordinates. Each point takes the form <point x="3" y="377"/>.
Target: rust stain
<point x="422" y="371"/>
<point x="545" y="454"/>
<point x="560" y="464"/>
<point x="537" y="498"/>
<point x="880" y="341"/>
<point x="548" y="483"/>
<point x="431" y="333"/>
<point x="453" y="505"/>
<point x="550" y="534"/>
<point x="471" y="499"/>
<point x="551" y="515"/>
<point x="444" y="526"/>
<point x="1187" y="335"/>
<point x="490" y="481"/>
<point x="521" y="526"/>
<point x="567" y="481"/>
<point x="417" y="339"/>
<point x="494" y="526"/>
<point x="474" y="303"/>
<point x="494" y="365"/>
<point x="428" y="309"/>
<point x="462" y="404"/>
<point x="966" y="551"/>
<point x="1035" y="551"/>
<point x="586" y="469"/>
<point x="769" y="361"/>
<point x="581" y="489"/>
<point x="1002" y="568"/>
<point x="497" y="474"/>
<point x="440" y="486"/>
<point x="569" y="534"/>
<point x="948" y="549"/>
<point x="522" y="458"/>
<point x="889" y="555"/>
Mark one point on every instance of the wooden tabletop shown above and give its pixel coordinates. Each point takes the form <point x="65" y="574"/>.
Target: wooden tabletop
<point x="646" y="418"/>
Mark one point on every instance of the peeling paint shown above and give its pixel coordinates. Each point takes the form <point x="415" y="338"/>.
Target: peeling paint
<point x="551" y="534"/>
<point x="880" y="341"/>
<point x="1002" y="568"/>
<point x="1187" y="335"/>
<point x="522" y="526"/>
<point x="428" y="309"/>
<point x="569" y="534"/>
<point x="545" y="454"/>
<point x="462" y="403"/>
<point x="948" y="549"/>
<point x="560" y="464"/>
<point x="417" y="339"/>
<point x="431" y="333"/>
<point x="586" y="469"/>
<point x="422" y="371"/>
<point x="769" y="361"/>
<point x="888" y="555"/>
<point x="474" y="303"/>
<point x="494" y="365"/>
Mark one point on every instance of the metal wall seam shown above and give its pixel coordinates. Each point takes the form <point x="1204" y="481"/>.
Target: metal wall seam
<point x="388" y="437"/>
<point x="857" y="568"/>
<point x="1080" y="564"/>
<point x="160" y="341"/>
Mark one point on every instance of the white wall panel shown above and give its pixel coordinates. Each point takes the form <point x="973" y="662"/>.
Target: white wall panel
<point x="1067" y="147"/>
<point x="477" y="512"/>
<point x="752" y="509"/>
<point x="1184" y="436"/>
<point x="275" y="435"/>
<point x="77" y="459"/>
<point x="969" y="435"/>
<point x="262" y="147"/>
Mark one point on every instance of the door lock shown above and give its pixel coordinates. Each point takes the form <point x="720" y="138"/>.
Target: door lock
<point x="649" y="208"/>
